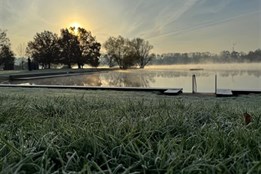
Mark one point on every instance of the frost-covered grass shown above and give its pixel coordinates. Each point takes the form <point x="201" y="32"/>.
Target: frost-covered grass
<point x="17" y="72"/>
<point x="63" y="131"/>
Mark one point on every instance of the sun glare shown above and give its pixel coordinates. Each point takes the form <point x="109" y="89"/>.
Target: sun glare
<point x="76" y="25"/>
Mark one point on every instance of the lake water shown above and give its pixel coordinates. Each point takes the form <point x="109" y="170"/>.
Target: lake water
<point x="229" y="76"/>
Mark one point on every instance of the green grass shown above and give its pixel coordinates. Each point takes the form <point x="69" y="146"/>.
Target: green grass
<point x="69" y="131"/>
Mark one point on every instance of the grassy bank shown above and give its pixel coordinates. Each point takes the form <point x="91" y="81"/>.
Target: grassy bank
<point x="41" y="71"/>
<point x="43" y="131"/>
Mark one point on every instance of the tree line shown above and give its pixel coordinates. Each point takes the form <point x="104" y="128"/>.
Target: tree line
<point x="207" y="57"/>
<point x="74" y="46"/>
<point x="77" y="46"/>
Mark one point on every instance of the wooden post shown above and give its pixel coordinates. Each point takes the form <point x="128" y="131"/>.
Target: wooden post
<point x="215" y="83"/>
<point x="29" y="64"/>
<point x="194" y="84"/>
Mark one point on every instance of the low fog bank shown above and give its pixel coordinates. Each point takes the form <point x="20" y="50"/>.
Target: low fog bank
<point x="207" y="57"/>
<point x="209" y="66"/>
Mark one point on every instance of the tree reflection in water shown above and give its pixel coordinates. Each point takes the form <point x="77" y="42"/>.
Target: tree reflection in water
<point x="232" y="73"/>
<point x="78" y="80"/>
<point x="128" y="79"/>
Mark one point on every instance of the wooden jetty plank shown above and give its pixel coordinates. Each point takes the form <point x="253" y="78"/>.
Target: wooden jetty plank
<point x="39" y="73"/>
<point x="173" y="91"/>
<point x="224" y="92"/>
<point x="49" y="76"/>
<point x="89" y="87"/>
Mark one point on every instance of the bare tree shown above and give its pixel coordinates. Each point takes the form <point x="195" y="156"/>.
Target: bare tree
<point x="142" y="50"/>
<point x="120" y="51"/>
<point x="21" y="50"/>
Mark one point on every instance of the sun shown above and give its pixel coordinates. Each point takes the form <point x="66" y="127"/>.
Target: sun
<point x="75" y="25"/>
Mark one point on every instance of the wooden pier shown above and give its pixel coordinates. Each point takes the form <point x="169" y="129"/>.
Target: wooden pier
<point x="173" y="91"/>
<point x="230" y="93"/>
<point x="165" y="91"/>
<point x="224" y="93"/>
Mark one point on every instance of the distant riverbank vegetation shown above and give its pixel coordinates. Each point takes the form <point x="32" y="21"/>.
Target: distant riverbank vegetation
<point x="78" y="47"/>
<point x="207" y="57"/>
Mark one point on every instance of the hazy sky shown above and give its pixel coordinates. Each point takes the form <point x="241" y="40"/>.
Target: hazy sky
<point x="170" y="25"/>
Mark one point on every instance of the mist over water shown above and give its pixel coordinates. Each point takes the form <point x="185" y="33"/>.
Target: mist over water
<point x="230" y="76"/>
<point x="210" y="66"/>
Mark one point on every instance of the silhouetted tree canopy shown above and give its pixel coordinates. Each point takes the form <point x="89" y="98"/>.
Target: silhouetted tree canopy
<point x="79" y="47"/>
<point x="7" y="57"/>
<point x="74" y="46"/>
<point x="70" y="48"/>
<point x="254" y="55"/>
<point x="44" y="49"/>
<point x="4" y="40"/>
<point x="90" y="48"/>
<point x="6" y="54"/>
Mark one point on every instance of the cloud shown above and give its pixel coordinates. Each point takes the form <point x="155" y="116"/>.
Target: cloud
<point x="15" y="12"/>
<point x="150" y="19"/>
<point x="202" y="25"/>
<point x="160" y="17"/>
<point x="214" y="7"/>
<point x="8" y="14"/>
<point x="170" y="16"/>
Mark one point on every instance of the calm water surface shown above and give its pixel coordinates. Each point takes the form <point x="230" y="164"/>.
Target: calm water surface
<point x="230" y="76"/>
